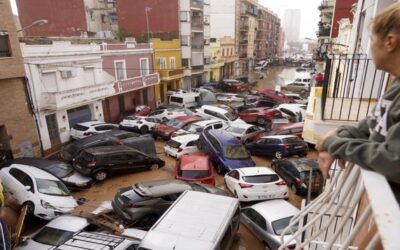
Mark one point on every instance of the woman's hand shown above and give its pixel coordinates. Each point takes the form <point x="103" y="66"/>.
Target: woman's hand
<point x="325" y="160"/>
<point x="318" y="146"/>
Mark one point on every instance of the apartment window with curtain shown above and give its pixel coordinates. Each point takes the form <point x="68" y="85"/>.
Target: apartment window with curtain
<point x="144" y="66"/>
<point x="163" y="63"/>
<point x="184" y="16"/>
<point x="120" y="70"/>
<point x="172" y="63"/>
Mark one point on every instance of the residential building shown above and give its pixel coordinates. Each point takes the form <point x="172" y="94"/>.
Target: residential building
<point x="18" y="136"/>
<point x="217" y="62"/>
<point x="131" y="65"/>
<point x="267" y="34"/>
<point x="67" y="85"/>
<point x="291" y="21"/>
<point x="86" y="18"/>
<point x="229" y="57"/>
<point x="246" y="33"/>
<point x="168" y="63"/>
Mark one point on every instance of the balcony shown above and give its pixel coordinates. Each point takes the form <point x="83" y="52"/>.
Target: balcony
<point x="244" y="27"/>
<point x="324" y="31"/>
<point x="357" y="210"/>
<point x="197" y="48"/>
<point x="197" y="69"/>
<point x="242" y="55"/>
<point x="171" y="74"/>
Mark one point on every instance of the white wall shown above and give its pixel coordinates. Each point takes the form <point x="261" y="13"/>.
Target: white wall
<point x="222" y="18"/>
<point x="184" y="5"/>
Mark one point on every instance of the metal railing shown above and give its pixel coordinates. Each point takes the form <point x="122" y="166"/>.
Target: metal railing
<point x="357" y="210"/>
<point x="351" y="88"/>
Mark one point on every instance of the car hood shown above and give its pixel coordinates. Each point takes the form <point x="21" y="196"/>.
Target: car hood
<point x="77" y="179"/>
<point x="233" y="164"/>
<point x="63" y="203"/>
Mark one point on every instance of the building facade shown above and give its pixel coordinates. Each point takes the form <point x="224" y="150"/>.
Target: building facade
<point x="18" y="135"/>
<point x="229" y="57"/>
<point x="67" y="85"/>
<point x="168" y="63"/>
<point x="217" y="64"/>
<point x="267" y="41"/>
<point x="246" y="33"/>
<point x="86" y="18"/>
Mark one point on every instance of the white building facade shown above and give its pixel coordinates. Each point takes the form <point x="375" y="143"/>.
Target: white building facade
<point x="67" y="86"/>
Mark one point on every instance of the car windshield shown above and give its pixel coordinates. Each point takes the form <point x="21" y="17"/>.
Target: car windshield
<point x="60" y="170"/>
<point x="52" y="187"/>
<point x="80" y="127"/>
<point x="193" y="128"/>
<point x="52" y="236"/>
<point x="231" y="116"/>
<point x="194" y="174"/>
<point x="174" y="124"/>
<point x="260" y="178"/>
<point x="280" y="225"/>
<point x="235" y="130"/>
<point x="131" y="118"/>
<point x="173" y="144"/>
<point x="236" y="152"/>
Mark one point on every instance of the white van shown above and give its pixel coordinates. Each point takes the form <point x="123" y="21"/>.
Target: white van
<point x="196" y="221"/>
<point x="212" y="112"/>
<point x="186" y="100"/>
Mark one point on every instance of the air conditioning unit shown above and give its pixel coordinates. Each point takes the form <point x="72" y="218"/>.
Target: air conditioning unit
<point x="68" y="73"/>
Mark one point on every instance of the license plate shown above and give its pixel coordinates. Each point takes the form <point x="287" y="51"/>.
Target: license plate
<point x="267" y="196"/>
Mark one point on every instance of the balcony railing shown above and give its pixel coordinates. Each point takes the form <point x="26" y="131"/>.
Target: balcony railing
<point x="324" y="31"/>
<point x="357" y="210"/>
<point x="171" y="73"/>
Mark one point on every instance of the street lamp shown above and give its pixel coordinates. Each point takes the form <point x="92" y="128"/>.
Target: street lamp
<point x="146" y="10"/>
<point x="36" y="23"/>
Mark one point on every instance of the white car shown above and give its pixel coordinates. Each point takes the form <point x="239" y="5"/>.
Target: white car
<point x="55" y="232"/>
<point x="293" y="110"/>
<point x="255" y="183"/>
<point x="198" y="127"/>
<point x="229" y="97"/>
<point x="245" y="132"/>
<point x="181" y="145"/>
<point x="213" y="112"/>
<point x="143" y="124"/>
<point x="267" y="220"/>
<point x="44" y="194"/>
<point x="297" y="98"/>
<point x="170" y="113"/>
<point x="85" y="129"/>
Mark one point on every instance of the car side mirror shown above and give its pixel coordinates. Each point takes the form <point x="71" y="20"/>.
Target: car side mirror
<point x="28" y="188"/>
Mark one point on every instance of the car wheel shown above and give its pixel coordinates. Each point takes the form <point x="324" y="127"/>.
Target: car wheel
<point x="100" y="175"/>
<point x="154" y="167"/>
<point x="278" y="155"/>
<point x="144" y="130"/>
<point x="148" y="221"/>
<point x="220" y="169"/>
<point x="30" y="207"/>
<point x="293" y="188"/>
<point x="261" y="121"/>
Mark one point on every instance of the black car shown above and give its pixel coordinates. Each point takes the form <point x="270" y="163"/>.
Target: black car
<point x="114" y="137"/>
<point x="100" y="162"/>
<point x="278" y="146"/>
<point x="296" y="173"/>
<point x="64" y="171"/>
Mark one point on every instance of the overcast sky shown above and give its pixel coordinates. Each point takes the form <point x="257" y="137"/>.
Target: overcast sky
<point x="309" y="13"/>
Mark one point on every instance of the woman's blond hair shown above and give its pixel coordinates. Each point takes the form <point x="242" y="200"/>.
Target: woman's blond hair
<point x="388" y="20"/>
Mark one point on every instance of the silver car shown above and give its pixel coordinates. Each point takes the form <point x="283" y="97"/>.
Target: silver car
<point x="143" y="203"/>
<point x="268" y="219"/>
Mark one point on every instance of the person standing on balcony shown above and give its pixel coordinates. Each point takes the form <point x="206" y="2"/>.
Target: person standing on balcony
<point x="375" y="143"/>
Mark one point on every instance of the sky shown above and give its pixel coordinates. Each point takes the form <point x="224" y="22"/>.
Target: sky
<point x="309" y="13"/>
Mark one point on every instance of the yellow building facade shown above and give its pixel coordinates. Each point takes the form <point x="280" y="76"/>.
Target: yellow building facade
<point x="168" y="63"/>
<point x="216" y="64"/>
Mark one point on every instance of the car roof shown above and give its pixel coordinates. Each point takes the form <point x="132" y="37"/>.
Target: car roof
<point x="207" y="122"/>
<point x="36" y="172"/>
<point x="91" y="123"/>
<point x="274" y="210"/>
<point x="35" y="162"/>
<point x="186" y="118"/>
<point x="213" y="108"/>
<point x="224" y="137"/>
<point x="161" y="187"/>
<point x="258" y="170"/>
<point x="69" y="223"/>
<point x="194" y="162"/>
<point x="108" y="149"/>
<point x="304" y="164"/>
<point x="185" y="138"/>
<point x="291" y="125"/>
<point x="242" y="125"/>
<point x="279" y="136"/>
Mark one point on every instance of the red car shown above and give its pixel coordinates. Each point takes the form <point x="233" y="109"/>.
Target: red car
<point x="141" y="110"/>
<point x="289" y="129"/>
<point x="262" y="116"/>
<point x="195" y="168"/>
<point x="165" y="130"/>
<point x="235" y="86"/>
<point x="275" y="95"/>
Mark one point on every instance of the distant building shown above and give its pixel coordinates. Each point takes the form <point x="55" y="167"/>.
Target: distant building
<point x="291" y="25"/>
<point x="230" y="58"/>
<point x="217" y="62"/>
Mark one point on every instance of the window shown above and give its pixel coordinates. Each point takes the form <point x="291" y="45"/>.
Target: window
<point x="22" y="177"/>
<point x="120" y="70"/>
<point x="218" y="126"/>
<point x="185" y="62"/>
<point x="223" y="52"/>
<point x="4" y="44"/>
<point x="104" y="127"/>
<point x="163" y="63"/>
<point x="185" y="40"/>
<point x="172" y="63"/>
<point x="234" y="174"/>
<point x="184" y="16"/>
<point x="191" y="144"/>
<point x="144" y="66"/>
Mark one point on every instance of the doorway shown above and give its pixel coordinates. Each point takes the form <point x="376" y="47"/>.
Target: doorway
<point x="52" y="127"/>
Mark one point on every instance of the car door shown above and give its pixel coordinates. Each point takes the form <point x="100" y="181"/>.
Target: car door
<point x="116" y="162"/>
<point x="232" y="180"/>
<point x="284" y="171"/>
<point x="254" y="222"/>
<point x="17" y="185"/>
<point x="258" y="147"/>
<point x="137" y="162"/>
